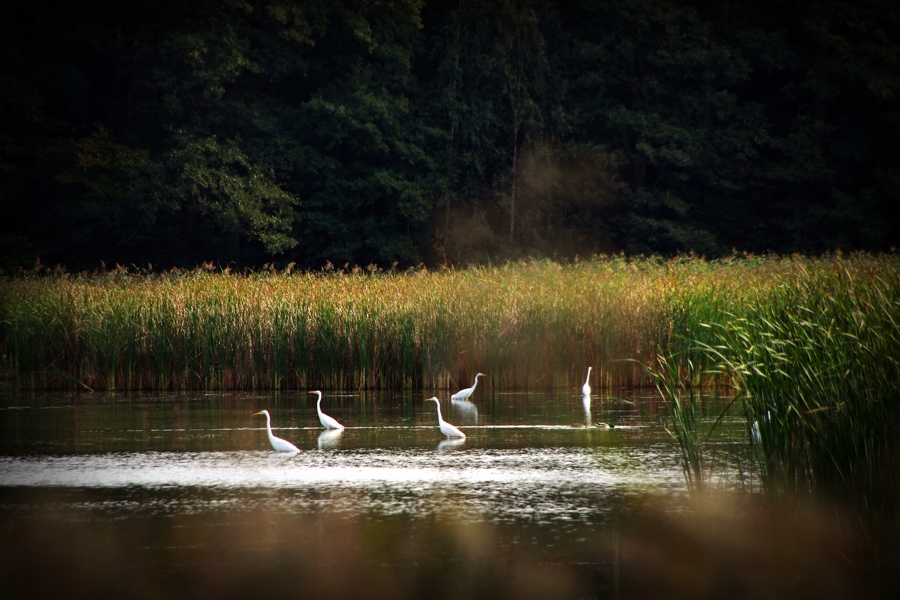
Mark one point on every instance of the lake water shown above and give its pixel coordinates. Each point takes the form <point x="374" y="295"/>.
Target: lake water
<point x="183" y="493"/>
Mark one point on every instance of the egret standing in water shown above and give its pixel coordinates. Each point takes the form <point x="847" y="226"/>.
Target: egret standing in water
<point x="464" y="394"/>
<point x="327" y="422"/>
<point x="279" y="444"/>
<point x="446" y="428"/>
<point x="586" y="388"/>
<point x="755" y="433"/>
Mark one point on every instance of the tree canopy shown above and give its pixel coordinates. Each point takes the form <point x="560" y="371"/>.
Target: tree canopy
<point x="399" y="131"/>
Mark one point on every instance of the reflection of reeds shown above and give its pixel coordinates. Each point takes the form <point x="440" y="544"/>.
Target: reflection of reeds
<point x="531" y="325"/>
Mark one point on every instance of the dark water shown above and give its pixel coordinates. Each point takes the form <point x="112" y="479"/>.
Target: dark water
<point x="525" y="455"/>
<point x="183" y="493"/>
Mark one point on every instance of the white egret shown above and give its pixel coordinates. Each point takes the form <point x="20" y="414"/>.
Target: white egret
<point x="464" y="394"/>
<point x="446" y="428"/>
<point x="327" y="422"/>
<point x="755" y="433"/>
<point x="586" y="388"/>
<point x="279" y="444"/>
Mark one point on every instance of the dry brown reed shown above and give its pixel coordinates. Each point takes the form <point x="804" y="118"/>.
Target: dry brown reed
<point x="528" y="325"/>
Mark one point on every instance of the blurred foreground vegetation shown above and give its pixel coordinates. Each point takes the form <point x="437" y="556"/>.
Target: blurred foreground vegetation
<point x="728" y="549"/>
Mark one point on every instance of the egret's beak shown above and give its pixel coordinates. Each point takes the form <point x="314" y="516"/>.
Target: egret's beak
<point x="259" y="413"/>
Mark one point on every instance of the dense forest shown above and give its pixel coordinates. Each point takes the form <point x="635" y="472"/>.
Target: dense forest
<point x="245" y="132"/>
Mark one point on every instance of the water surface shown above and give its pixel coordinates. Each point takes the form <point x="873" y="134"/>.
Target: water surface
<point x="534" y="468"/>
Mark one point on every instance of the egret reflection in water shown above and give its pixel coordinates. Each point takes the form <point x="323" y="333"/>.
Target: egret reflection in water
<point x="450" y="444"/>
<point x="586" y="403"/>
<point x="330" y="438"/>
<point x="466" y="410"/>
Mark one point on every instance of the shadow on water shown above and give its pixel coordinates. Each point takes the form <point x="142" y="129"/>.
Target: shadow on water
<point x="181" y="496"/>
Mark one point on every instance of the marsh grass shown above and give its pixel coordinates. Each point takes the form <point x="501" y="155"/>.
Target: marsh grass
<point x="674" y="378"/>
<point x="817" y="363"/>
<point x="529" y="325"/>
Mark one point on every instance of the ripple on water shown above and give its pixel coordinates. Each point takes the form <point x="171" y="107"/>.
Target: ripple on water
<point x="531" y="483"/>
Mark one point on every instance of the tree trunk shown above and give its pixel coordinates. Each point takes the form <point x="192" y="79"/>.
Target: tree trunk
<point x="512" y="198"/>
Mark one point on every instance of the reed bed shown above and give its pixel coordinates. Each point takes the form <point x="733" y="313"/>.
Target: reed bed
<point x="814" y="357"/>
<point x="818" y="366"/>
<point x="527" y="325"/>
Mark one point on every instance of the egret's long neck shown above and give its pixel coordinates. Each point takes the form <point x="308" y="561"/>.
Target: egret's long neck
<point x="588" y="378"/>
<point x="474" y="385"/>
<point x="319" y="405"/>
<point x="440" y="419"/>
<point x="269" y="427"/>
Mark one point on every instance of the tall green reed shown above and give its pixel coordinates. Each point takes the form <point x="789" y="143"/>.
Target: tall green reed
<point x="674" y="377"/>
<point x="817" y="359"/>
<point x="528" y="325"/>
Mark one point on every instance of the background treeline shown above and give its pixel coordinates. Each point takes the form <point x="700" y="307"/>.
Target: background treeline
<point x="462" y="131"/>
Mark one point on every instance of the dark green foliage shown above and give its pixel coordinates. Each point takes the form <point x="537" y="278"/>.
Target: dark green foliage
<point x="356" y="132"/>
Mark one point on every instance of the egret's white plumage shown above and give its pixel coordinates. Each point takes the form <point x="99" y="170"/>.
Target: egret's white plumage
<point x="464" y="394"/>
<point x="446" y="428"/>
<point x="755" y="432"/>
<point x="326" y="421"/>
<point x="586" y="388"/>
<point x="279" y="444"/>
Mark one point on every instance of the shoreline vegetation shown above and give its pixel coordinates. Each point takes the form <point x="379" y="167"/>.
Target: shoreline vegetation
<point x="533" y="325"/>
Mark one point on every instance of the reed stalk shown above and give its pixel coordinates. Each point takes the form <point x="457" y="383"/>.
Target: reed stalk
<point x="529" y="325"/>
<point x="817" y="361"/>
